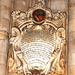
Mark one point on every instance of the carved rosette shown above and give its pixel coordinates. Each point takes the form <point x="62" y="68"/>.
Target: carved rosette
<point x="37" y="42"/>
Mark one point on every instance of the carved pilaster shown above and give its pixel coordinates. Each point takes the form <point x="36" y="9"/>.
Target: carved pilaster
<point x="5" y="7"/>
<point x="71" y="60"/>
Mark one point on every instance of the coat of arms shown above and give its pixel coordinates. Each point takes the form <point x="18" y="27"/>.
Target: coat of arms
<point x="37" y="42"/>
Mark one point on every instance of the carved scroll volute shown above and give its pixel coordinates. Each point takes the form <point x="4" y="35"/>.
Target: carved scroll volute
<point x="60" y="38"/>
<point x="18" y="55"/>
<point x="16" y="37"/>
<point x="13" y="60"/>
<point x="60" y="41"/>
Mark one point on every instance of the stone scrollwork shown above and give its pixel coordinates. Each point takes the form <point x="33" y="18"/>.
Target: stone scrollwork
<point x="38" y="47"/>
<point x="59" y="18"/>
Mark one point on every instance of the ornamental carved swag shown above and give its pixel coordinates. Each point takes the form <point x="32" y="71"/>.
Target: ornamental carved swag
<point x="37" y="42"/>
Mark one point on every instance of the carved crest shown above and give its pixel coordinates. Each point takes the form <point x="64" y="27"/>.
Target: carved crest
<point x="37" y="41"/>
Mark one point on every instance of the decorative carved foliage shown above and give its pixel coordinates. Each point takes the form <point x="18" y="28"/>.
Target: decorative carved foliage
<point x="44" y="41"/>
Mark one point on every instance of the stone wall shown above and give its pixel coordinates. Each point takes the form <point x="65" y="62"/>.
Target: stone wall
<point x="71" y="61"/>
<point x="5" y="8"/>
